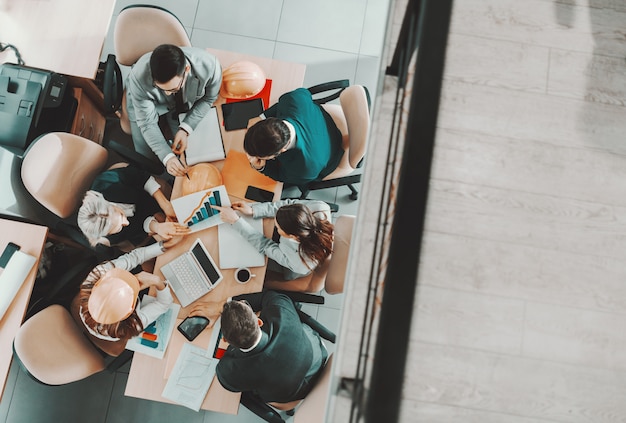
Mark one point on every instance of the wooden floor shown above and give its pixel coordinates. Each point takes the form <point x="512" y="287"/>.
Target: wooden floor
<point x="521" y="311"/>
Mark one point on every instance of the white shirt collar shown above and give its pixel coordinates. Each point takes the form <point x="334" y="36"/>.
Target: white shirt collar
<point x="258" y="339"/>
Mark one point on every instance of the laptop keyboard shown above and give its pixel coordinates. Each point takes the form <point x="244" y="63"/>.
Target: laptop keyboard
<point x="188" y="278"/>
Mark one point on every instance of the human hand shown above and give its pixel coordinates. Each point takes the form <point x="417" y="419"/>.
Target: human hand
<point x="167" y="230"/>
<point x="212" y="310"/>
<point x="173" y="241"/>
<point x="253" y="121"/>
<point x="242" y="207"/>
<point x="227" y="214"/>
<point x="256" y="162"/>
<point x="180" y="142"/>
<point x="146" y="280"/>
<point x="175" y="168"/>
<point x="168" y="209"/>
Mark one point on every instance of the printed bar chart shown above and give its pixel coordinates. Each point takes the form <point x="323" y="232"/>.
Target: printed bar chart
<point x="203" y="211"/>
<point x="195" y="209"/>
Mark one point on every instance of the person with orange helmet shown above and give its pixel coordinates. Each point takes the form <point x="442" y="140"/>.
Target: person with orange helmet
<point x="108" y="303"/>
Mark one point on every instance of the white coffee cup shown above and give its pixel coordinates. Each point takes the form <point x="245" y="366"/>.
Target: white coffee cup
<point x="243" y="275"/>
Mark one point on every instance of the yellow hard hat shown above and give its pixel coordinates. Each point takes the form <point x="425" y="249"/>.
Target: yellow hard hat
<point x="113" y="297"/>
<point x="242" y="80"/>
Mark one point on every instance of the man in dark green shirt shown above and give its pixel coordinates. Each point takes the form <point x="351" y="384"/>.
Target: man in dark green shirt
<point x="297" y="143"/>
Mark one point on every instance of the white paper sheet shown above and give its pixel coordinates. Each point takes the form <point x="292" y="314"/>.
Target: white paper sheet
<point x="205" y="143"/>
<point x="191" y="377"/>
<point x="13" y="277"/>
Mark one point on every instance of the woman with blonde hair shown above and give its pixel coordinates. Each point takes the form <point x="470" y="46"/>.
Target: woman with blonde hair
<point x="127" y="205"/>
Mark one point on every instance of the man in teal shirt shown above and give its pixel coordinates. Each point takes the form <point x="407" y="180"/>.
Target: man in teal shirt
<point x="297" y="143"/>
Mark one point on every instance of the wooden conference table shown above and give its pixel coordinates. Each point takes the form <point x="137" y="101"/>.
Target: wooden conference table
<point x="31" y="239"/>
<point x="148" y="375"/>
<point x="64" y="35"/>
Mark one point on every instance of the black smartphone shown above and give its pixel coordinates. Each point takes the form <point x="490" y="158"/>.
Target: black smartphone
<point x="258" y="194"/>
<point x="192" y="326"/>
<point x="8" y="252"/>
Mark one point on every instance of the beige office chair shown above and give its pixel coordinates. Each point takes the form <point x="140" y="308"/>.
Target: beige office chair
<point x="53" y="346"/>
<point x="57" y="169"/>
<point x="331" y="274"/>
<point x="312" y="408"/>
<point x="53" y="350"/>
<point x="352" y="118"/>
<point x="139" y="29"/>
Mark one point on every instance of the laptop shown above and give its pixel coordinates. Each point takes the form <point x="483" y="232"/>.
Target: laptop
<point x="192" y="274"/>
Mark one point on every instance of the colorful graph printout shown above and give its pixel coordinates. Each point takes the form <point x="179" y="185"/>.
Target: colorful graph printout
<point x="195" y="211"/>
<point x="154" y="339"/>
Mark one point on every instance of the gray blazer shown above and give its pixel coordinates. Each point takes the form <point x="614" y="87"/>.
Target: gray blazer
<point x="146" y="102"/>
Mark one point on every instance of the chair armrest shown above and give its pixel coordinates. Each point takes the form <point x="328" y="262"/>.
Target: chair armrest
<point x="138" y="160"/>
<point x="255" y="404"/>
<point x="323" y="331"/>
<point x="339" y="85"/>
<point x="302" y="297"/>
<point x="112" y="87"/>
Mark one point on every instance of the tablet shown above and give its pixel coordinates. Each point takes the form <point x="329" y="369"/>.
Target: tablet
<point x="237" y="114"/>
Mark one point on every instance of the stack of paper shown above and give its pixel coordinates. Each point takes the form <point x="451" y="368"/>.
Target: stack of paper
<point x="205" y="143"/>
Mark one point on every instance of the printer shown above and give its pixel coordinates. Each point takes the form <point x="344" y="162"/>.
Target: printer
<point x="32" y="102"/>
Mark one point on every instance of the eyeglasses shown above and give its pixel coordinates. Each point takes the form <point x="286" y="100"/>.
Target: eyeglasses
<point x="175" y="90"/>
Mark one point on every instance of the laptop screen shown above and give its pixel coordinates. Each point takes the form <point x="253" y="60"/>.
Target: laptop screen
<point x="205" y="263"/>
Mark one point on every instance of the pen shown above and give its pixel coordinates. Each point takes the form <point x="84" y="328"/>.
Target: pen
<point x="170" y="143"/>
<point x="181" y="162"/>
<point x="185" y="153"/>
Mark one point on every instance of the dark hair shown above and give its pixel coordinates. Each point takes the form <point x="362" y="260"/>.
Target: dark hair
<point x="166" y="62"/>
<point x="126" y="329"/>
<point x="266" y="137"/>
<point x="314" y="232"/>
<point x="239" y="324"/>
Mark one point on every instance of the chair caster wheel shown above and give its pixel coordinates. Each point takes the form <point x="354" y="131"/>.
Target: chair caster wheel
<point x="354" y="196"/>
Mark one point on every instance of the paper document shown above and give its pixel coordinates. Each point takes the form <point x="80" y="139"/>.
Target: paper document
<point x="205" y="143"/>
<point x="195" y="211"/>
<point x="191" y="377"/>
<point x="13" y="277"/>
<point x="235" y="250"/>
<point x="154" y="339"/>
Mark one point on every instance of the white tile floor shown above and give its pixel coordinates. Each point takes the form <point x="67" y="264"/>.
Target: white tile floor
<point x="336" y="40"/>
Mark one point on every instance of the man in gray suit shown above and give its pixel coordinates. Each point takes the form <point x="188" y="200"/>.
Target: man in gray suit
<point x="168" y="81"/>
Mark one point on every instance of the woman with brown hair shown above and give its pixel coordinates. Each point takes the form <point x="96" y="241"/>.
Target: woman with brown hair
<point x="306" y="233"/>
<point x="107" y="303"/>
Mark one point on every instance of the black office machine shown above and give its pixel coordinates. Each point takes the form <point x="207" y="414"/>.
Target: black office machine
<point x="32" y="102"/>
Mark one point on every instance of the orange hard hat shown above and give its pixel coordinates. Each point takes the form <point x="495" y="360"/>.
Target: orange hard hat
<point x="113" y="297"/>
<point x="242" y="80"/>
<point x="201" y="176"/>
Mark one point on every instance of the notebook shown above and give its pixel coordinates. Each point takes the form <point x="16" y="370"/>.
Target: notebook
<point x="235" y="250"/>
<point x="192" y="274"/>
<point x="205" y="143"/>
